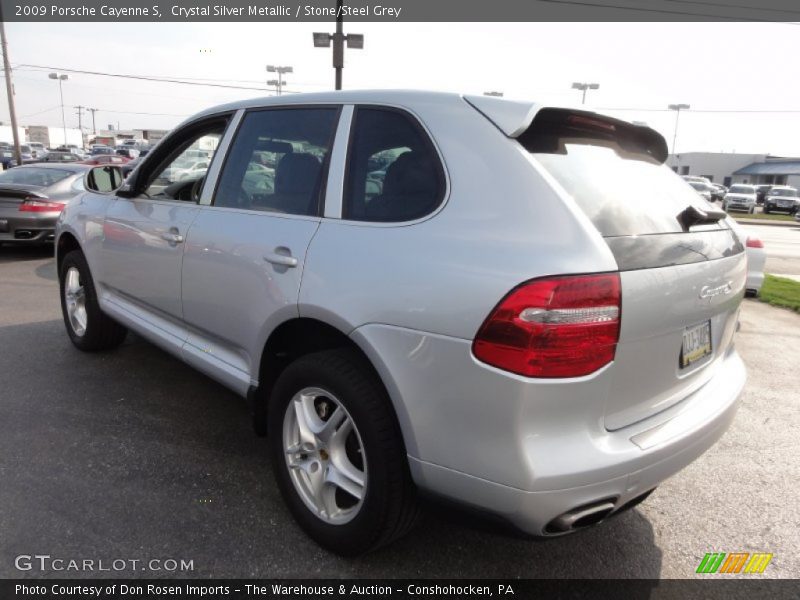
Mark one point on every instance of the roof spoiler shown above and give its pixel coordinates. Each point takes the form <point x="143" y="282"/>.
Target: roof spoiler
<point x="515" y="118"/>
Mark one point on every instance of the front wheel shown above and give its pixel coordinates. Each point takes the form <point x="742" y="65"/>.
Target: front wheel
<point x="338" y="455"/>
<point x="87" y="326"/>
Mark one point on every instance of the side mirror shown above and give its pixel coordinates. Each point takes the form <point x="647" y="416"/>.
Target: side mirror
<point x="104" y="179"/>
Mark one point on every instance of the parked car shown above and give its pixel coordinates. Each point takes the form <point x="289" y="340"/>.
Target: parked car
<point x="61" y="157"/>
<point x="6" y="155"/>
<point x="128" y="151"/>
<point x="130" y="166"/>
<point x="761" y="193"/>
<point x="701" y="188"/>
<point x="691" y="178"/>
<point x="38" y="149"/>
<point x="491" y="328"/>
<point x="106" y="159"/>
<point x="756" y="259"/>
<point x="32" y="197"/>
<point x="718" y="192"/>
<point x="740" y="197"/>
<point x="102" y="150"/>
<point x="781" y="198"/>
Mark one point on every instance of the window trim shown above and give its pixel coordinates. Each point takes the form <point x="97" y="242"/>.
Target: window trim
<point x="428" y="138"/>
<point x="321" y="199"/>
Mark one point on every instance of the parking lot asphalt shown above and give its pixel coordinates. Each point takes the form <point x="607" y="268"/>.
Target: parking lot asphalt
<point x="782" y="245"/>
<point x="132" y="455"/>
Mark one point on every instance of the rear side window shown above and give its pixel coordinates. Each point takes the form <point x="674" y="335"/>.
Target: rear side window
<point x="277" y="161"/>
<point x="393" y="172"/>
<point x="614" y="171"/>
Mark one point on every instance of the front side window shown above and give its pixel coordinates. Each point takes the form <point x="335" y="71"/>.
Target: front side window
<point x="393" y="172"/>
<point x="277" y="161"/>
<point x="180" y="176"/>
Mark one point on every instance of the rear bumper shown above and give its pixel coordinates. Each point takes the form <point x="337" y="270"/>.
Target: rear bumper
<point x="30" y="228"/>
<point x="525" y="453"/>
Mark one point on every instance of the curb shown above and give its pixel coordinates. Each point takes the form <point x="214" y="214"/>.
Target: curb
<point x="773" y="223"/>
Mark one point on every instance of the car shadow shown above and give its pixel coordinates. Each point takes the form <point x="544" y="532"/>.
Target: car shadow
<point x="132" y="454"/>
<point x="17" y="252"/>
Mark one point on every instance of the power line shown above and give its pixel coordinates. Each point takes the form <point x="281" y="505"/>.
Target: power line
<point x="40" y="112"/>
<point x="146" y="78"/>
<point x="736" y="6"/>
<point x="663" y="11"/>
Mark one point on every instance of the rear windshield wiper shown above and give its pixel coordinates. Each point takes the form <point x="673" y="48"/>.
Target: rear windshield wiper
<point x="691" y="215"/>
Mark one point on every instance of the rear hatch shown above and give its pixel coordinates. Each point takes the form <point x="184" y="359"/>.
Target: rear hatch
<point x="682" y="269"/>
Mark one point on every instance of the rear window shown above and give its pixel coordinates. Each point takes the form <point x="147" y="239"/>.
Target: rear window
<point x="34" y="176"/>
<point x="614" y="171"/>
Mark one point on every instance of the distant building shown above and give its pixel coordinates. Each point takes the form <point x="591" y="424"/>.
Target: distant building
<point x="728" y="168"/>
<point x="718" y="167"/>
<point x="53" y="137"/>
<point x="778" y="171"/>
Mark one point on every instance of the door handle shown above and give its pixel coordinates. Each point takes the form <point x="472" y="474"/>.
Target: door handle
<point x="281" y="257"/>
<point x="172" y="236"/>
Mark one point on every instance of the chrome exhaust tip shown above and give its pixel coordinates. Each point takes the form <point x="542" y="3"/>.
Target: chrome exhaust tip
<point x="580" y="517"/>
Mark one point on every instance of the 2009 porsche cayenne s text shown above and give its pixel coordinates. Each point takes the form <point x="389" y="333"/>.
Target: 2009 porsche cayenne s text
<point x="425" y="292"/>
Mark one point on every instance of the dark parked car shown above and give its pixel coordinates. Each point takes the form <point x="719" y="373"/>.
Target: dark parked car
<point x="61" y="157"/>
<point x="781" y="198"/>
<point x="761" y="193"/>
<point x="32" y="197"/>
<point x="102" y="150"/>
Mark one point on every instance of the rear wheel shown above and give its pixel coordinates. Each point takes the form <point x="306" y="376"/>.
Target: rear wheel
<point x="87" y="326"/>
<point x="338" y="455"/>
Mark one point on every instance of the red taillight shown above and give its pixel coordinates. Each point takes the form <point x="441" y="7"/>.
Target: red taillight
<point x="754" y="242"/>
<point x="555" y="327"/>
<point x="39" y="205"/>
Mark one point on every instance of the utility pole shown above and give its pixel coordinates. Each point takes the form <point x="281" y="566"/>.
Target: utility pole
<point x="94" y="129"/>
<point x="12" y="111"/>
<point x="323" y="40"/>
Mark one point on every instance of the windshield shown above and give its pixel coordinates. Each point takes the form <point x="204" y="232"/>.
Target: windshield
<point x="784" y="192"/>
<point x="34" y="176"/>
<point x="742" y="189"/>
<point x="700" y="187"/>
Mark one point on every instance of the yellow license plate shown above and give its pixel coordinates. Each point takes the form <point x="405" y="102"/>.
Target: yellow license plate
<point x="696" y="343"/>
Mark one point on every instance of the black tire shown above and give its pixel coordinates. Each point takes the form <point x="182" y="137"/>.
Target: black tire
<point x="390" y="505"/>
<point x="101" y="332"/>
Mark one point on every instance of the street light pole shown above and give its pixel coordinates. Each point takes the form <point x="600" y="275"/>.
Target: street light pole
<point x="677" y="108"/>
<point x="353" y="40"/>
<point x="60" y="77"/>
<point x="278" y="83"/>
<point x="584" y="87"/>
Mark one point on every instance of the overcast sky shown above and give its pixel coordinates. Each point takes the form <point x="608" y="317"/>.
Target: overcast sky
<point x="711" y="66"/>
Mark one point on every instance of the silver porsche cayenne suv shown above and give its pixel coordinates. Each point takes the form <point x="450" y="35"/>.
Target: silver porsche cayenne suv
<point x="513" y="306"/>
